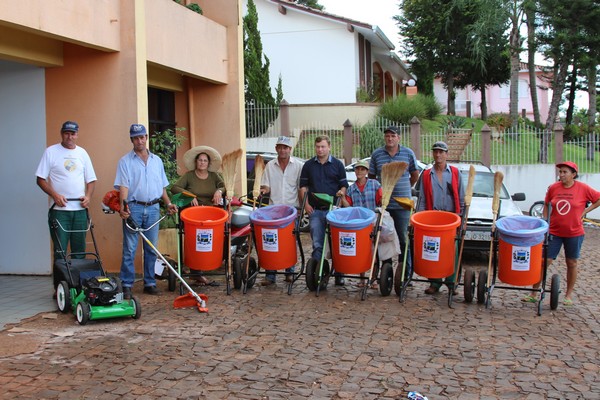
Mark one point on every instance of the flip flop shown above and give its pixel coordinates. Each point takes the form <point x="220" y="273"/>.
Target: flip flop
<point x="529" y="299"/>
<point x="568" y="303"/>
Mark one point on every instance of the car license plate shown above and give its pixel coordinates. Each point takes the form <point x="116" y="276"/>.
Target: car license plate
<point x="484" y="236"/>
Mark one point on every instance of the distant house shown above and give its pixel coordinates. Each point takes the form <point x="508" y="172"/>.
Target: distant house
<point x="498" y="97"/>
<point x="324" y="58"/>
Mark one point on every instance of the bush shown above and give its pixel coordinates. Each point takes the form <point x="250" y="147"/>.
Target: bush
<point x="402" y="109"/>
<point x="501" y="121"/>
<point x="432" y="107"/>
<point x="371" y="138"/>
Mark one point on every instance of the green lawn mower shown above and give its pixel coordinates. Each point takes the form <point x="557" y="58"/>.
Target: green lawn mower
<point x="82" y="285"/>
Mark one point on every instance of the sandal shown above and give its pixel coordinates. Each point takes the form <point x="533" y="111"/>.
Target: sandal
<point x="568" y="303"/>
<point x="374" y="286"/>
<point x="360" y="285"/>
<point x="529" y="299"/>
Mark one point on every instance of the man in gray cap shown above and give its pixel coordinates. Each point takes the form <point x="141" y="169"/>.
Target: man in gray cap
<point x="141" y="182"/>
<point x="281" y="180"/>
<point x="66" y="172"/>
<point x="441" y="189"/>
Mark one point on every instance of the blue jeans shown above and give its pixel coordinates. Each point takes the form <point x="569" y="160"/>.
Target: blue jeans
<point x="401" y="218"/>
<point x="144" y="217"/>
<point x="318" y="219"/>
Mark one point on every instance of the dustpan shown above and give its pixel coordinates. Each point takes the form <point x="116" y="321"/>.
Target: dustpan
<point x="189" y="300"/>
<point x="405" y="202"/>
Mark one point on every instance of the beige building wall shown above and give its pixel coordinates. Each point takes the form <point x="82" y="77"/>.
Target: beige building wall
<point x="100" y="58"/>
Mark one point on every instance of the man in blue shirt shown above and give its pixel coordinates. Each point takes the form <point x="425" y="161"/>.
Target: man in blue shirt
<point x="441" y="189"/>
<point x="393" y="151"/>
<point x="142" y="182"/>
<point x="321" y="174"/>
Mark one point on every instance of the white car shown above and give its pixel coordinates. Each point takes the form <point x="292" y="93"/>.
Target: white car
<point x="479" y="222"/>
<point x="351" y="176"/>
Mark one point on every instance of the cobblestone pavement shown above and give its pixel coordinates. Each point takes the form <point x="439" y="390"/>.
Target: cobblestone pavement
<point x="268" y="345"/>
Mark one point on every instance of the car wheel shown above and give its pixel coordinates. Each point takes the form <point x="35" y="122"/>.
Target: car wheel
<point x="537" y="209"/>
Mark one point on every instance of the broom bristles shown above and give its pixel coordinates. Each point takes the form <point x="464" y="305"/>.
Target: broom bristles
<point x="259" y="168"/>
<point x="229" y="166"/>
<point x="498" y="177"/>
<point x="390" y="174"/>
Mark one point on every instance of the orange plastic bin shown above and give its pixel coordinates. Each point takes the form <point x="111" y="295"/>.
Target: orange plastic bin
<point x="351" y="245"/>
<point x="520" y="240"/>
<point x="204" y="236"/>
<point x="434" y="243"/>
<point x="274" y="233"/>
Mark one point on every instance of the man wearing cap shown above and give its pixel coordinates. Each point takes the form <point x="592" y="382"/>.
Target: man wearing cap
<point x="567" y="201"/>
<point x="393" y="151"/>
<point x="441" y="189"/>
<point x="142" y="183"/>
<point x="281" y="180"/>
<point x="323" y="174"/>
<point x="65" y="172"/>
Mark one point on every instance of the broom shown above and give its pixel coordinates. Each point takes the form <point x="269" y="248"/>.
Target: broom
<point x="259" y="168"/>
<point x="390" y="174"/>
<point x="229" y="167"/>
<point x="495" y="206"/>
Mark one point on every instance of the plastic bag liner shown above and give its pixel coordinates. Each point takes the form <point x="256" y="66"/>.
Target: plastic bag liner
<point x="353" y="218"/>
<point x="275" y="216"/>
<point x="522" y="230"/>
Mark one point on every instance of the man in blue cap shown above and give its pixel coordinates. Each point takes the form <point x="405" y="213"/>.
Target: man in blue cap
<point x="142" y="182"/>
<point x="66" y="172"/>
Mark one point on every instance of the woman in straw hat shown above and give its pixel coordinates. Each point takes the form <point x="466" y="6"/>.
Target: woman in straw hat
<point x="202" y="179"/>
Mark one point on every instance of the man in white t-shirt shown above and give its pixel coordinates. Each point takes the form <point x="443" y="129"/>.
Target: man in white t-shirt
<point x="281" y="180"/>
<point x="66" y="174"/>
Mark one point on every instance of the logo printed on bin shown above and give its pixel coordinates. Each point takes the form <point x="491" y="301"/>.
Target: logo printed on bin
<point x="521" y="258"/>
<point x="204" y="240"/>
<point x="347" y="244"/>
<point x="270" y="240"/>
<point x="431" y="248"/>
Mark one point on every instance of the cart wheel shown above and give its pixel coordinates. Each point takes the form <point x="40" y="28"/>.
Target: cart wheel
<point x="252" y="269"/>
<point x="63" y="297"/>
<point x="171" y="278"/>
<point x="137" y="308"/>
<point x="312" y="277"/>
<point x="481" y="286"/>
<point x="554" y="291"/>
<point x="237" y="272"/>
<point x="386" y="277"/>
<point x="82" y="312"/>
<point x="469" y="285"/>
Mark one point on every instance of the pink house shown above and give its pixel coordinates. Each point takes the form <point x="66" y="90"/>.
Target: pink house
<point x="498" y="97"/>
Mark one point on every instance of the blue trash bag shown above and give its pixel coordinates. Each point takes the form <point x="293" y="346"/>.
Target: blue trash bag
<point x="522" y="230"/>
<point x="275" y="216"/>
<point x="352" y="218"/>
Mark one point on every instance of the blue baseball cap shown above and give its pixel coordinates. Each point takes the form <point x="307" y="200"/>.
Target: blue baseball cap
<point x="137" y="130"/>
<point x="69" y="126"/>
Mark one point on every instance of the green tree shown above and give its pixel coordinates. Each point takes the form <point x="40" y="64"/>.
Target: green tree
<point x="256" y="77"/>
<point x="311" y="3"/>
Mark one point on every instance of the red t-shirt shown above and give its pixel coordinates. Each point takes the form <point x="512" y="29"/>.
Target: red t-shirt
<point x="567" y="207"/>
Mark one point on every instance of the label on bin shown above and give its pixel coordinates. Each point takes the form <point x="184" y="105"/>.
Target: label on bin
<point x="521" y="258"/>
<point x="348" y="244"/>
<point x="204" y="240"/>
<point x="431" y="248"/>
<point x="270" y="240"/>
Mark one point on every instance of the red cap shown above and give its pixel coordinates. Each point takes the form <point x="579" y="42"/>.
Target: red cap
<point x="569" y="164"/>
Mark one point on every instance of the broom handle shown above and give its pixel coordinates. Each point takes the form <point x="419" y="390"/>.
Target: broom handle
<point x="376" y="244"/>
<point x="495" y="206"/>
<point x="468" y="198"/>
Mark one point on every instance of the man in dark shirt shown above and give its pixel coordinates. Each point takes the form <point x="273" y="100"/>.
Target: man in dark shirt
<point x="321" y="174"/>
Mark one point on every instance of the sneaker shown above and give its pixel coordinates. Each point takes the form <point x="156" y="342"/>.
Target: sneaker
<point x="339" y="281"/>
<point x="289" y="278"/>
<point x="127" y="293"/>
<point x="266" y="282"/>
<point x="432" y="290"/>
<point x="153" y="290"/>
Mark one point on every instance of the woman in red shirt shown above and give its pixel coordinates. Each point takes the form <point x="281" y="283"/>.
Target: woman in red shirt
<point x="568" y="199"/>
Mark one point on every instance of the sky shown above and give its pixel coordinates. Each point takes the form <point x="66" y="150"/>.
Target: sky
<point x="374" y="12"/>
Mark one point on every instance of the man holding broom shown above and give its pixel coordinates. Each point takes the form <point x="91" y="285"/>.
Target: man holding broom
<point x="441" y="189"/>
<point x="393" y="151"/>
<point x="281" y="180"/>
<point x="321" y="174"/>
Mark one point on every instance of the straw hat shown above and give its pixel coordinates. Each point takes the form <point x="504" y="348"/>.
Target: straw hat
<point x="189" y="158"/>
